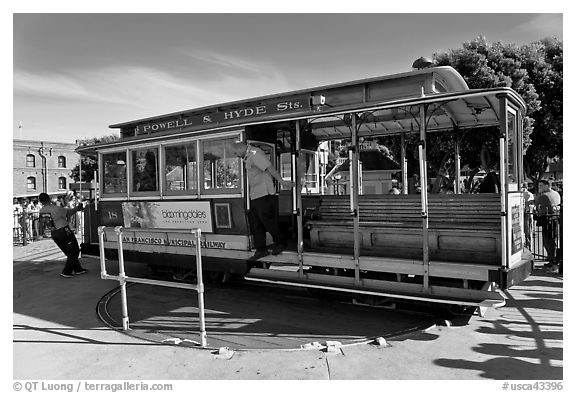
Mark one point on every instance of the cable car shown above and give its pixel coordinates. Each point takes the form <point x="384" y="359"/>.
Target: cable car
<point x="344" y="145"/>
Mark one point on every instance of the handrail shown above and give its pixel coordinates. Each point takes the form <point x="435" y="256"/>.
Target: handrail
<point x="123" y="278"/>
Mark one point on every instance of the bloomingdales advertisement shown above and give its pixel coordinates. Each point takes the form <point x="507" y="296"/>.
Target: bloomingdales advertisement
<point x="168" y="215"/>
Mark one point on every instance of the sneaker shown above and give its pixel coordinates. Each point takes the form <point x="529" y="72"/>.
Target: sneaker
<point x="258" y="254"/>
<point x="81" y="271"/>
<point x="554" y="268"/>
<point x="277" y="249"/>
<point x="66" y="275"/>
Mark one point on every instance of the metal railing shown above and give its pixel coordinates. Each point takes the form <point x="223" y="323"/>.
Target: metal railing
<point x="27" y="227"/>
<point x="122" y="278"/>
<point x="543" y="225"/>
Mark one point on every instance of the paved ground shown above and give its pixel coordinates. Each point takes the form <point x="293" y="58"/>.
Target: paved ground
<point x="57" y="335"/>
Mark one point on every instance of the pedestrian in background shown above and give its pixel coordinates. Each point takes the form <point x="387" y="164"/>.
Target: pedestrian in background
<point x="25" y="224"/>
<point x="71" y="203"/>
<point x="528" y="215"/>
<point x="547" y="204"/>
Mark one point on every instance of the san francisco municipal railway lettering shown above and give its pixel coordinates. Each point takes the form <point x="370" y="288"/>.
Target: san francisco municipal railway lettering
<point x="173" y="242"/>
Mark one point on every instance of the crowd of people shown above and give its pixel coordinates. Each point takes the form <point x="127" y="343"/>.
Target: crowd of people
<point x="26" y="216"/>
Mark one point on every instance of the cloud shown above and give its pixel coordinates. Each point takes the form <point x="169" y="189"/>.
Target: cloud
<point x="228" y="62"/>
<point x="92" y="99"/>
<point x="58" y="86"/>
<point x="542" y="25"/>
<point x="140" y="86"/>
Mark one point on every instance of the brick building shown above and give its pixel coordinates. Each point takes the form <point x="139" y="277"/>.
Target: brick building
<point x="41" y="166"/>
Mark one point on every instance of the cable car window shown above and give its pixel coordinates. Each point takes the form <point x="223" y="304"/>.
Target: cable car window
<point x="221" y="166"/>
<point x="180" y="167"/>
<point x="115" y="180"/>
<point x="145" y="170"/>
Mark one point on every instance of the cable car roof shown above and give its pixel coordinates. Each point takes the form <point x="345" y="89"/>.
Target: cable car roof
<point x="445" y="111"/>
<point x="386" y="105"/>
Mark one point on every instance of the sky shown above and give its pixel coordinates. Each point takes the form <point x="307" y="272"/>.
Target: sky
<point x="75" y="74"/>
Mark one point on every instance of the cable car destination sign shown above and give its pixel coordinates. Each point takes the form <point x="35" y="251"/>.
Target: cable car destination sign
<point x="227" y="115"/>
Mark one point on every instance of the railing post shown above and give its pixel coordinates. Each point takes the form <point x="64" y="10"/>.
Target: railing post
<point x="24" y="230"/>
<point x="122" y="279"/>
<point x="200" y="287"/>
<point x="103" y="274"/>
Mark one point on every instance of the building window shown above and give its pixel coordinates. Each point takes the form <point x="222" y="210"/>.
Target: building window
<point x="31" y="183"/>
<point x="61" y="162"/>
<point x="30" y="161"/>
<point x="114" y="165"/>
<point x="145" y="170"/>
<point x="62" y="183"/>
<point x="180" y="168"/>
<point x="221" y="166"/>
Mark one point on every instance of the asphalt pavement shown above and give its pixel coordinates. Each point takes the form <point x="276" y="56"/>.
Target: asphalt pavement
<point x="57" y="335"/>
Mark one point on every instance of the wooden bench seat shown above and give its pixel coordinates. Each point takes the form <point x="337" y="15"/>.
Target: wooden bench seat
<point x="461" y="227"/>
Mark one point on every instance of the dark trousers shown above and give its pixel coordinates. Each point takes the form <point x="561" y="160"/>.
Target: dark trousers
<point x="66" y="241"/>
<point x="528" y="229"/>
<point x="263" y="217"/>
<point x="550" y="237"/>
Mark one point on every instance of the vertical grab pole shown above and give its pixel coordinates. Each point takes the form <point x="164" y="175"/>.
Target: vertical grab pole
<point x="503" y="188"/>
<point x="404" y="164"/>
<point x="122" y="279"/>
<point x="103" y="273"/>
<point x="503" y="203"/>
<point x="298" y="202"/>
<point x="200" y="287"/>
<point x="96" y="190"/>
<point x="424" y="196"/>
<point x="457" y="189"/>
<point x="351" y="172"/>
<point x="354" y="199"/>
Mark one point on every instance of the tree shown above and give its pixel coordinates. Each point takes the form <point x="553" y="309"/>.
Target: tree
<point x="544" y="63"/>
<point x="89" y="163"/>
<point x="535" y="72"/>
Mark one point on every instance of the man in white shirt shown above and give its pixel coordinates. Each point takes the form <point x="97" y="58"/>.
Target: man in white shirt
<point x="263" y="214"/>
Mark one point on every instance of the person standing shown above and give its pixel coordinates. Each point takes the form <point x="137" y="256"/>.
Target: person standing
<point x="57" y="218"/>
<point x="17" y="214"/>
<point x="71" y="203"/>
<point x="547" y="204"/>
<point x="25" y="224"/>
<point x="528" y="215"/>
<point x="263" y="213"/>
<point x="33" y="211"/>
<point x="490" y="184"/>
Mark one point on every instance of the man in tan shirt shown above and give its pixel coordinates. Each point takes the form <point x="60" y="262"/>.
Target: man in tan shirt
<point x="57" y="218"/>
<point x="263" y="214"/>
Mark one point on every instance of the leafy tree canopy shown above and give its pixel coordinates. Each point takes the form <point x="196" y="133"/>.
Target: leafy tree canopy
<point x="535" y="71"/>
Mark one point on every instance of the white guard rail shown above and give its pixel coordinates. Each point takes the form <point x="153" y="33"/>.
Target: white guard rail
<point x="123" y="278"/>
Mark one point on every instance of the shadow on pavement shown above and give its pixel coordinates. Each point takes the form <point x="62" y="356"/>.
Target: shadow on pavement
<point x="532" y="322"/>
<point x="256" y="317"/>
<point x="505" y="368"/>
